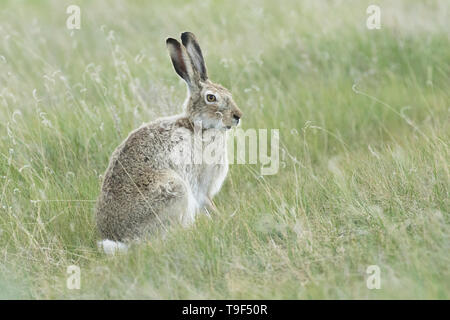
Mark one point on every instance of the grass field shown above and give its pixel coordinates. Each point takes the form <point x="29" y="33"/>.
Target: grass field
<point x="364" y="132"/>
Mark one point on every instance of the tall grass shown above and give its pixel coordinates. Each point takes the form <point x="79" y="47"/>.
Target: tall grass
<point x="363" y="120"/>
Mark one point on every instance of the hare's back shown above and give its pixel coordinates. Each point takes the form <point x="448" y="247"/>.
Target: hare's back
<point x="152" y="146"/>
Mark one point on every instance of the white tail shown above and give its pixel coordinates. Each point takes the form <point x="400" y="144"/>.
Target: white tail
<point x="111" y="247"/>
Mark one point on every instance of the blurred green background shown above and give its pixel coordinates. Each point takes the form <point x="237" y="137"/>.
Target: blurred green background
<point x="363" y="118"/>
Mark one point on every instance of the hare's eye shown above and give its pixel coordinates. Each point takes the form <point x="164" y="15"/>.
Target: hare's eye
<point x="210" y="98"/>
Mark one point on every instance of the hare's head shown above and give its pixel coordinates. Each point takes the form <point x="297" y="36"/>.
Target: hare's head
<point x="209" y="104"/>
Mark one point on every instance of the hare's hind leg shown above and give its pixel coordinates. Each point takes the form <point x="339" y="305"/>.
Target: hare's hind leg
<point x="169" y="200"/>
<point x="144" y="203"/>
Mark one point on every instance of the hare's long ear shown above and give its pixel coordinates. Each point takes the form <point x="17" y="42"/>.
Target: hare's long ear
<point x="181" y="61"/>
<point x="195" y="53"/>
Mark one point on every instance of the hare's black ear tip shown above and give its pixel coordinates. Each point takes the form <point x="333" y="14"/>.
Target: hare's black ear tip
<point x="186" y="35"/>
<point x="171" y="41"/>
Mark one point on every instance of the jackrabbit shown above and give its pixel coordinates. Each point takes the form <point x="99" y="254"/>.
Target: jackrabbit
<point x="151" y="178"/>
